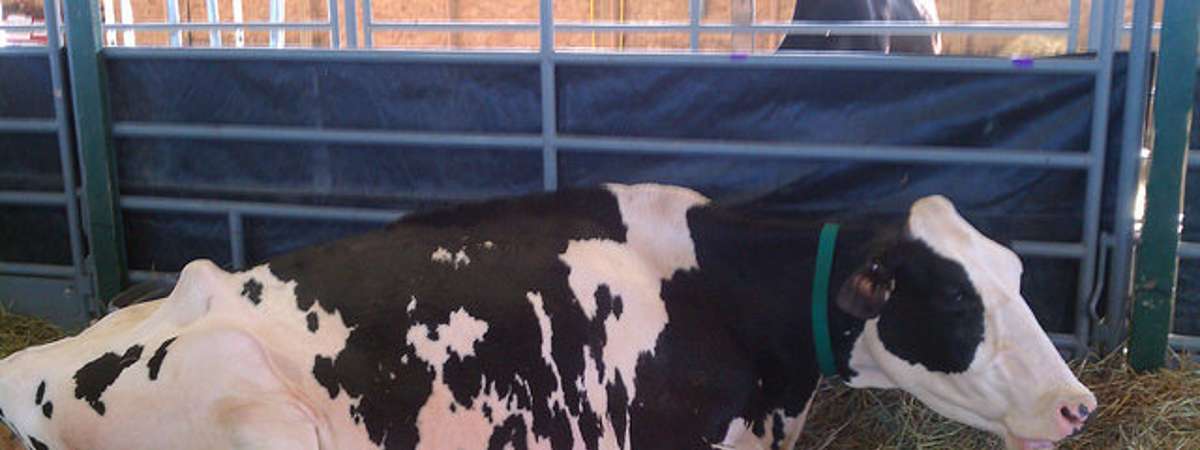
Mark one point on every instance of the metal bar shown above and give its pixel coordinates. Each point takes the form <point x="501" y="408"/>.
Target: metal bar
<point x="839" y="61"/>
<point x="1189" y="250"/>
<point x="335" y="32"/>
<point x="895" y="28"/>
<point x="173" y="18"/>
<point x="694" y="15"/>
<point x="813" y="28"/>
<point x="1157" y="263"/>
<point x="844" y="152"/>
<point x="549" y="94"/>
<point x="1064" y="342"/>
<point x="237" y="240"/>
<point x="214" y="16"/>
<point x="29" y="125"/>
<point x="1097" y="143"/>
<point x="257" y="209"/>
<point x="351" y="24"/>
<point x="127" y="17"/>
<point x="1095" y="23"/>
<point x="110" y="16"/>
<point x="793" y="60"/>
<point x="1073" y="25"/>
<point x="883" y="153"/>
<point x="32" y="198"/>
<point x="455" y="26"/>
<point x="1097" y="149"/>
<point x="66" y="143"/>
<point x="1060" y="250"/>
<point x="1187" y="343"/>
<point x="22" y="28"/>
<point x="293" y="54"/>
<point x="1133" y="123"/>
<point x="368" y="39"/>
<point x="301" y="134"/>
<point x="37" y="270"/>
<point x="277" y="12"/>
<point x="239" y="35"/>
<point x="23" y="51"/>
<point x="98" y="162"/>
<point x="200" y="26"/>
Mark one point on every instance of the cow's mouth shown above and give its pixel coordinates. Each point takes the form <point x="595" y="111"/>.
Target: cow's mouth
<point x="1019" y="443"/>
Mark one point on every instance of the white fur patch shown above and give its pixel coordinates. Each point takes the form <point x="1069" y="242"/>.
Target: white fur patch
<point x="441" y="255"/>
<point x="442" y="422"/>
<point x="457" y="259"/>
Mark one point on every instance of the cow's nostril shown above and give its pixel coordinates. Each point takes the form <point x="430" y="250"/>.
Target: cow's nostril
<point x="1067" y="414"/>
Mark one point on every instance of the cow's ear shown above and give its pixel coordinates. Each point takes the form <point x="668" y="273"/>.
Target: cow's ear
<point x="864" y="293"/>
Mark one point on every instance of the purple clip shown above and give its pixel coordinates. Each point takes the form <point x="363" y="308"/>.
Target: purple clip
<point x="738" y="56"/>
<point x="1022" y="62"/>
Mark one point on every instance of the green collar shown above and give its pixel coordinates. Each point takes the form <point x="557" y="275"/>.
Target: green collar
<point x="820" y="299"/>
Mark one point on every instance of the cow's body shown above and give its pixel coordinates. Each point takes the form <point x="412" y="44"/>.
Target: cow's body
<point x="626" y="317"/>
<point x="865" y="10"/>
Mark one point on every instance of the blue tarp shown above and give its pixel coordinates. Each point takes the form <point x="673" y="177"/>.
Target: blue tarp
<point x="1049" y="113"/>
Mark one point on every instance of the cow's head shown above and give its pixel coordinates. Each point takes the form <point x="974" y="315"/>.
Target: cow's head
<point x="945" y="321"/>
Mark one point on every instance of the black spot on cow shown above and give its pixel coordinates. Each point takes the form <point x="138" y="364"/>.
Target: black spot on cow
<point x="487" y="412"/>
<point x="777" y="432"/>
<point x="96" y="376"/>
<point x="156" y="361"/>
<point x="48" y="409"/>
<point x="931" y="289"/>
<point x="361" y="278"/>
<point x="464" y="376"/>
<point x="453" y="408"/>
<point x="590" y="428"/>
<point x="312" y="321"/>
<point x="509" y="434"/>
<point x="323" y="371"/>
<point x="618" y="407"/>
<point x="40" y="394"/>
<point x="36" y="444"/>
<point x="252" y="290"/>
<point x="740" y="318"/>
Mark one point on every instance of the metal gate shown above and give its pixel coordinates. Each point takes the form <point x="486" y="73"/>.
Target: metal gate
<point x="548" y="62"/>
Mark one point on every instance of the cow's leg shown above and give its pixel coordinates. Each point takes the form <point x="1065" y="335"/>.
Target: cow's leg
<point x="268" y="425"/>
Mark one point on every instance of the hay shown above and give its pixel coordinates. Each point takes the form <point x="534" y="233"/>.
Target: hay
<point x="1159" y="410"/>
<point x="18" y="332"/>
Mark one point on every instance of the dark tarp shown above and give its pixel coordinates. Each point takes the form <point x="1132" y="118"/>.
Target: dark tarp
<point x="1050" y="113"/>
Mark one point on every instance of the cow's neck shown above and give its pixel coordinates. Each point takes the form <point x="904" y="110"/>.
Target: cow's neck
<point x="762" y="272"/>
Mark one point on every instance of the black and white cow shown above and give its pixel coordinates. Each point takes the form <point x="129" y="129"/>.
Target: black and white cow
<point x="614" y="318"/>
<point x="865" y="10"/>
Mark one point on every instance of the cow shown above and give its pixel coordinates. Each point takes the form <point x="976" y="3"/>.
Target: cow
<point x="636" y="316"/>
<point x="865" y="10"/>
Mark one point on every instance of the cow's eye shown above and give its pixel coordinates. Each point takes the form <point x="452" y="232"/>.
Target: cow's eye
<point x="955" y="294"/>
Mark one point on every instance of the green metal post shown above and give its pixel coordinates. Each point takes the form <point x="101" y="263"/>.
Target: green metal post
<point x="1157" y="263"/>
<point x="89" y="97"/>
